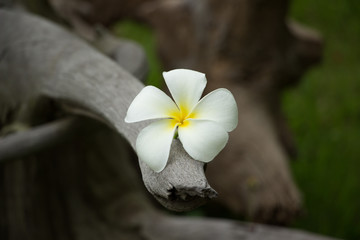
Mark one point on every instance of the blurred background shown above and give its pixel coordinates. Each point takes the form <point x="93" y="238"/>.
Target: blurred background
<point x="323" y="112"/>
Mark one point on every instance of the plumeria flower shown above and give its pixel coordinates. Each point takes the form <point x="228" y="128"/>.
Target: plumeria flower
<point x="202" y="126"/>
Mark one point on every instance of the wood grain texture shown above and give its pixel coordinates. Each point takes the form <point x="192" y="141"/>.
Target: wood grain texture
<point x="39" y="58"/>
<point x="85" y="188"/>
<point x="28" y="142"/>
<point x="251" y="48"/>
<point x="218" y="229"/>
<point x="80" y="190"/>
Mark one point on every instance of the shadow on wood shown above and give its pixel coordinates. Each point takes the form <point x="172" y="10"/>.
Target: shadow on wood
<point x="251" y="48"/>
<point x="84" y="187"/>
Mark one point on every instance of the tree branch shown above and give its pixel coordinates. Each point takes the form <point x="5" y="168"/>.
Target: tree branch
<point x="162" y="227"/>
<point x="57" y="64"/>
<point x="25" y="143"/>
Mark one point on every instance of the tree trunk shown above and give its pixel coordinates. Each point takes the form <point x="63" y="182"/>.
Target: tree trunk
<point x="251" y="48"/>
<point x="74" y="180"/>
<point x="60" y="66"/>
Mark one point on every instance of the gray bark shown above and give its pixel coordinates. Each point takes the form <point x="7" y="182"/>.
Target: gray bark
<point x="251" y="48"/>
<point x="81" y="185"/>
<point x="56" y="64"/>
<point x="203" y="229"/>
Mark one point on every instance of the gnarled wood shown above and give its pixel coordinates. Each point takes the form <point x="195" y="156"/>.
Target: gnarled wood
<point x="250" y="48"/>
<point x="203" y="229"/>
<point x="85" y="188"/>
<point x="28" y="142"/>
<point x="56" y="64"/>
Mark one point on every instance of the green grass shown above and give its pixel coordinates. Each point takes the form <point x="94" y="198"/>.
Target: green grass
<point x="143" y="35"/>
<point x="324" y="113"/>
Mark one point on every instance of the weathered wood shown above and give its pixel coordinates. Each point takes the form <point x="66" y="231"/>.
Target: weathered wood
<point x="84" y="188"/>
<point x="80" y="190"/>
<point x="40" y="138"/>
<point x="203" y="229"/>
<point x="249" y="46"/>
<point x="252" y="49"/>
<point x="56" y="64"/>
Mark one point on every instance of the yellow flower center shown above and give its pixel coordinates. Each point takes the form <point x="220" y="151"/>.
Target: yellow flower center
<point x="180" y="117"/>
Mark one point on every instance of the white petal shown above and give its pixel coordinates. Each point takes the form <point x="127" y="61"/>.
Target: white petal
<point x="218" y="106"/>
<point x="202" y="140"/>
<point x="150" y="103"/>
<point x="154" y="142"/>
<point x="186" y="87"/>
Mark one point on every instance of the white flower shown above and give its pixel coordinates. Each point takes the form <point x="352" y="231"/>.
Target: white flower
<point x="202" y="126"/>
